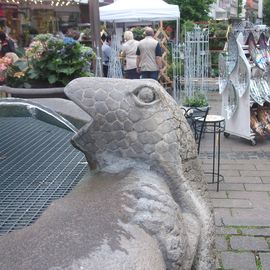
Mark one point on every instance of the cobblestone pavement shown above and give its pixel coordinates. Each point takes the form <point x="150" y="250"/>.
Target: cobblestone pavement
<point x="242" y="206"/>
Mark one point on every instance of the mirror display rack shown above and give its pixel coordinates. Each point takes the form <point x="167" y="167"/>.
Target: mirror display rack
<point x="244" y="83"/>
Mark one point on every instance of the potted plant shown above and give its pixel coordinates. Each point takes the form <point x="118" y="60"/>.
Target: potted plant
<point x="198" y="99"/>
<point x="50" y="62"/>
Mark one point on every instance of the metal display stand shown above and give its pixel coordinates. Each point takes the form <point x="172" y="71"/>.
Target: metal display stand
<point x="215" y="124"/>
<point x="243" y="82"/>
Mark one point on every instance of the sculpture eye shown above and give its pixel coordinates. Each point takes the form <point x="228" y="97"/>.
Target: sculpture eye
<point x="146" y="95"/>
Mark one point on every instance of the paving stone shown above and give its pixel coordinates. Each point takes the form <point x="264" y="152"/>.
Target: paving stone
<point x="236" y="166"/>
<point x="259" y="200"/>
<point x="254" y="173"/>
<point x="242" y="221"/>
<point x="221" y="243"/>
<point x="212" y="187"/>
<point x="262" y="166"/>
<point x="220" y="214"/>
<point x="265" y="260"/>
<point x="226" y="186"/>
<point x="231" y="203"/>
<point x="252" y="195"/>
<point x="264" y="162"/>
<point x="233" y="167"/>
<point x="220" y="194"/>
<point x="227" y="173"/>
<point x="238" y="162"/>
<point x="265" y="180"/>
<point x="257" y="231"/>
<point x="236" y="155"/>
<point x="255" y="187"/>
<point x="260" y="213"/>
<point x="238" y="261"/>
<point x="226" y="230"/>
<point x="249" y="243"/>
<point x="241" y="179"/>
<point x="260" y="216"/>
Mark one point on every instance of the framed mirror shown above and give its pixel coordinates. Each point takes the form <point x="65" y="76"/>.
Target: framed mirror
<point x="232" y="100"/>
<point x="233" y="53"/>
<point x="242" y="80"/>
<point x="223" y="72"/>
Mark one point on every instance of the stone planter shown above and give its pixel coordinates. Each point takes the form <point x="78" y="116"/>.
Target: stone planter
<point x="54" y="92"/>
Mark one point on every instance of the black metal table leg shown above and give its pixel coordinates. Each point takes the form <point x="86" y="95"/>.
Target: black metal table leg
<point x="215" y="124"/>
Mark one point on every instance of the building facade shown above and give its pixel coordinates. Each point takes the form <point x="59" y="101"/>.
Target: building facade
<point x="250" y="10"/>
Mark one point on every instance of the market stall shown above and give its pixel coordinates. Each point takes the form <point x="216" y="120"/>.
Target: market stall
<point x="244" y="83"/>
<point x="124" y="11"/>
<point x="146" y="12"/>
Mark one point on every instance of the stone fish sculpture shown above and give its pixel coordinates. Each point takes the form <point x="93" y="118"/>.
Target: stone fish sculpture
<point x="138" y="128"/>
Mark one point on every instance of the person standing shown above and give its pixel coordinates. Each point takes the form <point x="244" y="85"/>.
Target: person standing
<point x="129" y="49"/>
<point x="149" y="61"/>
<point x="7" y="45"/>
<point x="106" y="54"/>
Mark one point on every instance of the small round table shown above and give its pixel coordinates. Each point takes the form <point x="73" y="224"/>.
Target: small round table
<point x="215" y="124"/>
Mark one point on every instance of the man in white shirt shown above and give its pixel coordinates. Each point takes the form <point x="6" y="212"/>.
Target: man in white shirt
<point x="149" y="60"/>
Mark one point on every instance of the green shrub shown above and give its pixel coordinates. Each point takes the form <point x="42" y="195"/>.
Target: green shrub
<point x="197" y="100"/>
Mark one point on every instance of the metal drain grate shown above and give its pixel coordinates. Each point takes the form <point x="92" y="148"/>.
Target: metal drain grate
<point x="37" y="165"/>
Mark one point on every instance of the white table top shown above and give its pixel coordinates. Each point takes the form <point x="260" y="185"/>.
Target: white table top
<point x="214" y="118"/>
<point x="211" y="118"/>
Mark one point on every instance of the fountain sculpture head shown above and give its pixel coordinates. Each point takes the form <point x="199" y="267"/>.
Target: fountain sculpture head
<point x="138" y="120"/>
<point x="131" y="118"/>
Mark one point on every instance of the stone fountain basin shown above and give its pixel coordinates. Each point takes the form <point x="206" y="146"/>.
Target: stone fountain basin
<point x="53" y="92"/>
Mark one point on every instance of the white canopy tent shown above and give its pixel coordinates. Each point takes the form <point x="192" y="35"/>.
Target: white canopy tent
<point x="139" y="11"/>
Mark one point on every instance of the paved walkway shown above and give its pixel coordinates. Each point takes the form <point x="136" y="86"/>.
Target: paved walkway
<point x="242" y="206"/>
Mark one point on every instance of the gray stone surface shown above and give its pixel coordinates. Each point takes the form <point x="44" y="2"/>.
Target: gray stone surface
<point x="138" y="120"/>
<point x="221" y="243"/>
<point x="65" y="107"/>
<point x="91" y="228"/>
<point x="245" y="220"/>
<point x="256" y="231"/>
<point x="265" y="180"/>
<point x="255" y="173"/>
<point x="246" y="179"/>
<point x="238" y="261"/>
<point x="257" y="214"/>
<point x="249" y="243"/>
<point x="231" y="203"/>
<point x="226" y="230"/>
<point x="226" y="186"/>
<point x="265" y="260"/>
<point x="219" y="195"/>
<point x="259" y="196"/>
<point x="68" y="224"/>
<point x="254" y="187"/>
<point x="220" y="214"/>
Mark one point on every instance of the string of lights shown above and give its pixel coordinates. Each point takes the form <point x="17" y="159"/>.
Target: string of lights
<point x="54" y="3"/>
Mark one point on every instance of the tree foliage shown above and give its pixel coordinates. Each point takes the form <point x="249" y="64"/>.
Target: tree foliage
<point x="194" y="10"/>
<point x="266" y="12"/>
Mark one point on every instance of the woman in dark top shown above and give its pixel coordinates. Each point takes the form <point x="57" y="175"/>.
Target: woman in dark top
<point x="7" y="45"/>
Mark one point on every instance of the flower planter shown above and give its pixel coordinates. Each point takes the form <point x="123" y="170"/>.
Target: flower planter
<point x="54" y="92"/>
